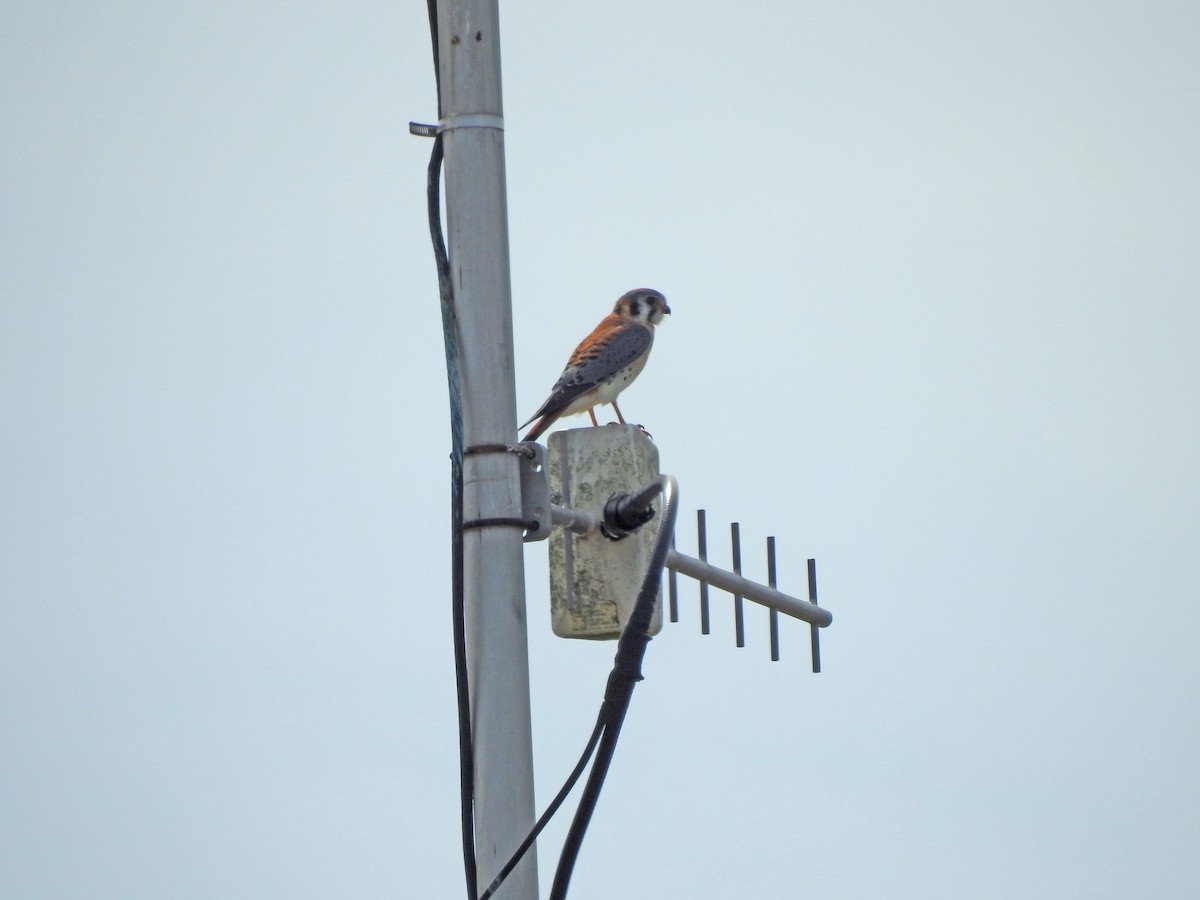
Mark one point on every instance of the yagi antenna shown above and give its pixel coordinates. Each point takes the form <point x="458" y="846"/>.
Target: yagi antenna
<point x="701" y="570"/>
<point x="595" y="568"/>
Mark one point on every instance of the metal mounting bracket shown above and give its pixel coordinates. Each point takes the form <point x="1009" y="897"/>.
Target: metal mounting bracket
<point x="535" y="493"/>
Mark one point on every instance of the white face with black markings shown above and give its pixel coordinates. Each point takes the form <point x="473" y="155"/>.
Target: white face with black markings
<point x="644" y="306"/>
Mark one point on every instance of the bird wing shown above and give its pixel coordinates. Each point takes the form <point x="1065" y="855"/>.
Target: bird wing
<point x="614" y="345"/>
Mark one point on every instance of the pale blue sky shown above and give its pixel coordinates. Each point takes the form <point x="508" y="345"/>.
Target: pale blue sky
<point x="936" y="298"/>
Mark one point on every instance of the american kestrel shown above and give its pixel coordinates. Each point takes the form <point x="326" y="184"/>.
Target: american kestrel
<point x="605" y="362"/>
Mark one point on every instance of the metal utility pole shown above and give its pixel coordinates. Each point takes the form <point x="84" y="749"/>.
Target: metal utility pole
<point x="494" y="574"/>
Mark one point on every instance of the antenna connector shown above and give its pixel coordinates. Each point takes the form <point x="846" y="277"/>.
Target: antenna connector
<point x="626" y="513"/>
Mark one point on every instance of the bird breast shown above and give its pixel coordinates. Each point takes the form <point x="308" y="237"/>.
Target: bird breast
<point x="607" y="391"/>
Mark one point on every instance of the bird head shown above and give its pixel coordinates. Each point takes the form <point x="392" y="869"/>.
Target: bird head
<point x="644" y="306"/>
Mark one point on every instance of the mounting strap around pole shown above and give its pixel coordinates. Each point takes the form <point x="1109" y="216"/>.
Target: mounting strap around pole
<point x="450" y="123"/>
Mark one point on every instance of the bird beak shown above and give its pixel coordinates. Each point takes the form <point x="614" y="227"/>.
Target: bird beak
<point x="666" y="310"/>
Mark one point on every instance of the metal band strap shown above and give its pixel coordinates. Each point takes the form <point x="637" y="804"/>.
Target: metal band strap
<point x="449" y="123"/>
<point x="471" y="120"/>
<point x="498" y="522"/>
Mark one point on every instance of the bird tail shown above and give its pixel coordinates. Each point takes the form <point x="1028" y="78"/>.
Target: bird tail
<point x="536" y="431"/>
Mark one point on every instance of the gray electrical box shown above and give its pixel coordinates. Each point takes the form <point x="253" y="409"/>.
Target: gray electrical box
<point x="594" y="581"/>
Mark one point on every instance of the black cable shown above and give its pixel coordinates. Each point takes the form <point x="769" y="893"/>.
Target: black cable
<point x="466" y="750"/>
<point x="431" y="8"/>
<point x="626" y="673"/>
<point x="466" y="753"/>
<point x="550" y="811"/>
